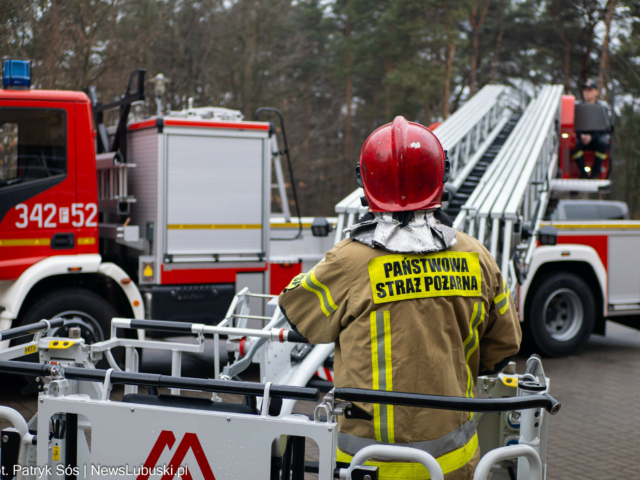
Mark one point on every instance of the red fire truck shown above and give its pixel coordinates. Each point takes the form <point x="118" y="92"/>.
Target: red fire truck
<point x="171" y="214"/>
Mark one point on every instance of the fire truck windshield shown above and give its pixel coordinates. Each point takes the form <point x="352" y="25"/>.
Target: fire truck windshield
<point x="33" y="144"/>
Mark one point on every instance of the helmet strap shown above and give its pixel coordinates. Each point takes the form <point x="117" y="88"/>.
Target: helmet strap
<point x="359" y="176"/>
<point x="447" y="167"/>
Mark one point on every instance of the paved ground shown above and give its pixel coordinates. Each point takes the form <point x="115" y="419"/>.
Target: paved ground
<point x="594" y="437"/>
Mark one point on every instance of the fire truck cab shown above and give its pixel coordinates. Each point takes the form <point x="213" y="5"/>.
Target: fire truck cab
<point x="170" y="214"/>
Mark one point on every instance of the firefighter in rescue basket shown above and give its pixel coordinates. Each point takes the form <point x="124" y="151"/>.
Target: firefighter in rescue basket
<point x="411" y="304"/>
<point x="592" y="131"/>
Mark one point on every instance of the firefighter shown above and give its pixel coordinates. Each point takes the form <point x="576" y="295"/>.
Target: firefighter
<point x="595" y="141"/>
<point x="412" y="305"/>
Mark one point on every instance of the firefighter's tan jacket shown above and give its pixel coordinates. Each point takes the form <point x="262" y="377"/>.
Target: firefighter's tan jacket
<point x="409" y="323"/>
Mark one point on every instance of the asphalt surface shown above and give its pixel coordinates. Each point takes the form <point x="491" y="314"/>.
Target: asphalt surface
<point x="594" y="437"/>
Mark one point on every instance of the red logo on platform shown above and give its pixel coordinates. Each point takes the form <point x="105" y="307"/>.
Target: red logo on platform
<point x="189" y="441"/>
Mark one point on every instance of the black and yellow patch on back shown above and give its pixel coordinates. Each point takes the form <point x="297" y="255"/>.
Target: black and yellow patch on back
<point x="403" y="277"/>
<point x="296" y="281"/>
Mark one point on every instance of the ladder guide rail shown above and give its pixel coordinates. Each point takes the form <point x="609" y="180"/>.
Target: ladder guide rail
<point x="512" y="191"/>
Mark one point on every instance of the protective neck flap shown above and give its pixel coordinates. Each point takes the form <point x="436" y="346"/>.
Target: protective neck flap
<point x="408" y="232"/>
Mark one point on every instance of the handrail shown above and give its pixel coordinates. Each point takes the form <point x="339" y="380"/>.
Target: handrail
<point x="506" y="453"/>
<point x="441" y="402"/>
<point x="41" y="326"/>
<point x="390" y="452"/>
<point x="281" y="334"/>
<point x="159" y="381"/>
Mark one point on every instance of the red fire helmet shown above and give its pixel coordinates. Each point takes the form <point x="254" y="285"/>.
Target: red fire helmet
<point x="403" y="168"/>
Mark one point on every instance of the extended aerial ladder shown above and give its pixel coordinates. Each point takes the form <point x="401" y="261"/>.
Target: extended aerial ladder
<point x="515" y="189"/>
<point x="503" y="169"/>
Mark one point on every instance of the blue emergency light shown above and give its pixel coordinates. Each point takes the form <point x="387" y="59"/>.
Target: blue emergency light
<point x="16" y="73"/>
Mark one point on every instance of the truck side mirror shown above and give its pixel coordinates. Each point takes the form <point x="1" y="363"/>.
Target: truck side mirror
<point x="548" y="235"/>
<point x="321" y="227"/>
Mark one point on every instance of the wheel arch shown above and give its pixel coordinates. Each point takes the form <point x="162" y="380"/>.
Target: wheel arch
<point x="579" y="261"/>
<point x="97" y="283"/>
<point x="82" y="271"/>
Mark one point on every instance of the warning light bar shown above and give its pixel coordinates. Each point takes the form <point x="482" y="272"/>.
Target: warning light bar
<point x="16" y="73"/>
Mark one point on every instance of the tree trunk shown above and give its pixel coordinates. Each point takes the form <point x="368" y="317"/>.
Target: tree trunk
<point x="456" y="101"/>
<point x="475" y="41"/>
<point x="451" y="53"/>
<point x="591" y="23"/>
<point x="496" y="53"/>
<point x="567" y="50"/>
<point x="307" y="122"/>
<point x="604" y="64"/>
<point x="427" y="113"/>
<point x="388" y="67"/>
<point x="249" y="53"/>
<point x="476" y="25"/>
<point x="349" y="94"/>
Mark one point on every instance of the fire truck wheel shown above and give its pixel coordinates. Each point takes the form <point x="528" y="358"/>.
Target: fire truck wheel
<point x="561" y="316"/>
<point x="80" y="308"/>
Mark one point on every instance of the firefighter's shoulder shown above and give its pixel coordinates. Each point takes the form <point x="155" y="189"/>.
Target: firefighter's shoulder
<point x="352" y="254"/>
<point x="467" y="243"/>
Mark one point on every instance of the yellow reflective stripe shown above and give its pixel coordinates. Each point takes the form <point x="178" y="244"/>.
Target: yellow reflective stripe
<point x="382" y="373"/>
<point x="449" y="462"/>
<point x="502" y="300"/>
<point x="578" y="154"/>
<point x="600" y="155"/>
<point x="389" y="376"/>
<point x="471" y="343"/>
<point x="87" y="241"/>
<point x="313" y="278"/>
<point x="374" y="367"/>
<point x="503" y="308"/>
<point x="312" y="284"/>
<point x="25" y="242"/>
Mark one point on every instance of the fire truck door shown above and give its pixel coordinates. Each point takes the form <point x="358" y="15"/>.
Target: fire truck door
<point x="215" y="195"/>
<point x="624" y="271"/>
<point x="38" y="210"/>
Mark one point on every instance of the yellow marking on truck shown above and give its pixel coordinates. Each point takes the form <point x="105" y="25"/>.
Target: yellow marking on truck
<point x="594" y="226"/>
<point x="87" y="241"/>
<point x="148" y="271"/>
<point x="219" y="226"/>
<point x="60" y="344"/>
<point x="290" y="225"/>
<point x="25" y="242"/>
<point x="56" y="453"/>
<point x="30" y="349"/>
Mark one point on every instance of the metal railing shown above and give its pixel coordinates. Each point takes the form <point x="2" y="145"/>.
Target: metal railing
<point x="514" y="189"/>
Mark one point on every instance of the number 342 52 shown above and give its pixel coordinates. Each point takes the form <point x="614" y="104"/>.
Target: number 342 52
<point x="50" y="215"/>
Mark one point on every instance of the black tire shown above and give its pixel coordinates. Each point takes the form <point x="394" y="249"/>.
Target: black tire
<point x="81" y="308"/>
<point x="561" y="315"/>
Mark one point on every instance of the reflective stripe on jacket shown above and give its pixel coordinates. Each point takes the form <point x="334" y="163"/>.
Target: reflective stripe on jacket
<point x="410" y="323"/>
